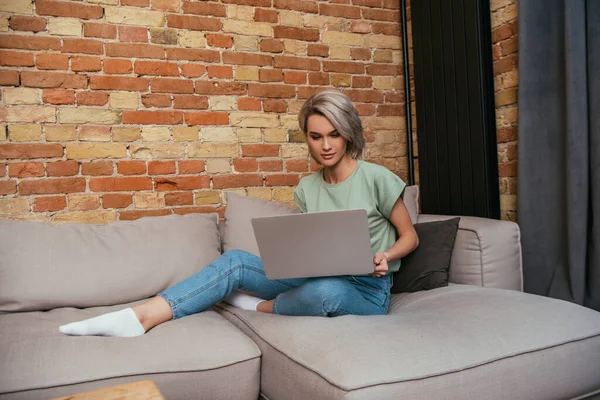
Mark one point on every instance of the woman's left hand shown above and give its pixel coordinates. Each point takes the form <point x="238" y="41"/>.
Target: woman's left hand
<point x="381" y="265"/>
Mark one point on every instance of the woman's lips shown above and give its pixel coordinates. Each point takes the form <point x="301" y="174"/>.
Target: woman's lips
<point x="327" y="156"/>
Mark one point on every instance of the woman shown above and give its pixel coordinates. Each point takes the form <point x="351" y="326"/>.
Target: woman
<point x="334" y="135"/>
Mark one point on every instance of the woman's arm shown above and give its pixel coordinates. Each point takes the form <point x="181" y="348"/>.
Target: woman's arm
<point x="406" y="243"/>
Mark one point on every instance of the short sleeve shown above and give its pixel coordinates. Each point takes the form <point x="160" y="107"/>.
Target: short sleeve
<point x="299" y="198"/>
<point x="388" y="188"/>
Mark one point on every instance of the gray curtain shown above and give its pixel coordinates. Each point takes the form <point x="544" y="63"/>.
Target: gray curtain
<point x="559" y="148"/>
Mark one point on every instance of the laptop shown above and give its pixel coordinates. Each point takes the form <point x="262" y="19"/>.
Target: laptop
<point x="315" y="244"/>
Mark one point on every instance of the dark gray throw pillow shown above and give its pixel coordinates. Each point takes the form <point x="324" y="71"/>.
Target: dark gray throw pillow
<point x="427" y="267"/>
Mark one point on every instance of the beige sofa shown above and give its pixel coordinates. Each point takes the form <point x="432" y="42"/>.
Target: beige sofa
<point x="478" y="338"/>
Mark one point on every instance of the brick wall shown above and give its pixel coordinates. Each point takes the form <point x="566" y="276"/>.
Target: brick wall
<point x="506" y="79"/>
<point x="117" y="110"/>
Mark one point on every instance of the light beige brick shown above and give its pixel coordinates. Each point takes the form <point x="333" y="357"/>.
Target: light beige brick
<point x="94" y="134"/>
<point x="246" y="73"/>
<point x="510" y="12"/>
<point x="508" y="202"/>
<point x="506" y="116"/>
<point x="125" y="133"/>
<point x="349" y="39"/>
<point x="21" y="95"/>
<point x="60" y="133"/>
<point x="247" y="28"/>
<point x="223" y="103"/>
<point x="64" y="26"/>
<point x="218" y="134"/>
<point x="294" y="150"/>
<point x="340" y="52"/>
<point x="3" y="23"/>
<point x="398" y="150"/>
<point x="14" y="206"/>
<point x="152" y="151"/>
<point x="156" y="133"/>
<point x="28" y="114"/>
<point x="245" y="43"/>
<point x="16" y="6"/>
<point x="510" y="79"/>
<point x="133" y="16"/>
<point x="185" y="134"/>
<point x="295" y="47"/>
<point x="148" y="200"/>
<point x="384" y="137"/>
<point x="248" y="135"/>
<point x="276" y="135"/>
<point x="496" y="4"/>
<point x="261" y="193"/>
<point x="81" y="115"/>
<point x="112" y="2"/>
<point x="39" y="217"/>
<point x="25" y="133"/>
<point x="383" y="41"/>
<point x="188" y="38"/>
<point x="239" y="192"/>
<point x="383" y="56"/>
<point x="85" y="217"/>
<point x="290" y="18"/>
<point x="283" y="194"/>
<point x="383" y="82"/>
<point x="3" y="133"/>
<point x="83" y="202"/>
<point x="397" y="57"/>
<point x="290" y="122"/>
<point x="341" y="80"/>
<point x="123" y="100"/>
<point x="386" y="122"/>
<point x="173" y="5"/>
<point x="294" y="106"/>
<point x="253" y="120"/>
<point x="241" y="13"/>
<point x="80" y="151"/>
<point x="218" y="166"/>
<point x="210" y="150"/>
<point x="314" y="21"/>
<point x="207" y="197"/>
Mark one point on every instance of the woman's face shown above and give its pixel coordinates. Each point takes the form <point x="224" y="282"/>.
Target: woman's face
<point x="326" y="145"/>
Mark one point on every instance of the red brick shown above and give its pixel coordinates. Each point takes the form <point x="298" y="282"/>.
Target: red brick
<point x="236" y="181"/>
<point x="384" y="28"/>
<point x="56" y="96"/>
<point x="137" y="214"/>
<point x="335" y="10"/>
<point x="120" y="184"/>
<point x="510" y="46"/>
<point x="270" y="75"/>
<point x="365" y="96"/>
<point x="288" y="32"/>
<point x="106" y="31"/>
<point x="248" y="104"/>
<point x="297" y="63"/>
<point x="26" y="170"/>
<point x="23" y="23"/>
<point x="266" y="90"/>
<point x="365" y="109"/>
<point x="92" y="98"/>
<point x="133" y="34"/>
<point x="319" y="50"/>
<point x="360" y="27"/>
<point x="97" y="168"/>
<point x="152" y="117"/>
<point x="156" y="100"/>
<point x="50" y="186"/>
<point x="118" y="83"/>
<point x="344" y="66"/>
<point x="395" y="4"/>
<point x="264" y="15"/>
<point x="239" y="58"/>
<point x="29" y="42"/>
<point x="206" y="118"/>
<point x="130" y="50"/>
<point x="304" y="92"/>
<point x="204" y="8"/>
<point x="271" y="165"/>
<point x="222" y="88"/>
<point x="92" y="131"/>
<point x="116" y="200"/>
<point x="260" y="150"/>
<point x="49" y="203"/>
<point x="384" y="69"/>
<point x="255" y="3"/>
<point x="360" y="54"/>
<point x="508" y="169"/>
<point x="166" y="85"/>
<point x="62" y="168"/>
<point x="294" y="77"/>
<point x="30" y="151"/>
<point x="52" y="61"/>
<point x="271" y="46"/>
<point x="503" y="32"/>
<point x="9" y="78"/>
<point x="282" y="180"/>
<point x="190" y="102"/>
<point x="83" y="63"/>
<point x="85" y="46"/>
<point x="16" y="59"/>
<point x="296" y="165"/>
<point x="135" y="3"/>
<point x="156" y="68"/>
<point x="507" y="134"/>
<point x="362" y="81"/>
<point x="179" y="199"/>
<point x="505" y="64"/>
<point x="194" y="23"/>
<point x="390" y="109"/>
<point x="2" y="170"/>
<point x="394" y="96"/>
<point x="245" y="165"/>
<point x="318" y="78"/>
<point x="117" y="66"/>
<point x="181" y="183"/>
<point x="216" y="40"/>
<point x="278" y="106"/>
<point x="161" y="167"/>
<point x="131" y="167"/>
<point x="193" y="55"/>
<point x="8" y="187"/>
<point x="192" y="70"/>
<point x="68" y="9"/>
<point x="191" y="167"/>
<point x="220" y="71"/>
<point x="298" y="5"/>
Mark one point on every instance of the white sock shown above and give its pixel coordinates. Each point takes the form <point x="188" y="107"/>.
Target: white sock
<point x="122" y="323"/>
<point x="243" y="301"/>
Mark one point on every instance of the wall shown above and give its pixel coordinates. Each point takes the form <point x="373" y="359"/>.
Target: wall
<point x="150" y="107"/>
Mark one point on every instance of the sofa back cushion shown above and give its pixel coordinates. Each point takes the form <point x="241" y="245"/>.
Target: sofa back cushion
<point x="76" y="265"/>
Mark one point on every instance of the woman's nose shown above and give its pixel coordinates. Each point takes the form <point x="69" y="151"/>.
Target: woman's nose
<point x="326" y="144"/>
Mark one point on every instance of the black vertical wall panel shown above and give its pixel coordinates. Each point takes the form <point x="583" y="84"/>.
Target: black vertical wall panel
<point x="455" y="107"/>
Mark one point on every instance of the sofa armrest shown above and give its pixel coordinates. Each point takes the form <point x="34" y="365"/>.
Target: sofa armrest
<point x="486" y="252"/>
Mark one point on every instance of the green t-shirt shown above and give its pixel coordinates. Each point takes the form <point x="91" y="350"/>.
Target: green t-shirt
<point x="370" y="187"/>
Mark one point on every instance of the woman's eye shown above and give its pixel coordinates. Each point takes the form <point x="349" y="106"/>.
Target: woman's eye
<point x="313" y="137"/>
<point x="334" y="135"/>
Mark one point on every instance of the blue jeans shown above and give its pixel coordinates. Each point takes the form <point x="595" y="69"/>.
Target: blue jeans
<point x="237" y="269"/>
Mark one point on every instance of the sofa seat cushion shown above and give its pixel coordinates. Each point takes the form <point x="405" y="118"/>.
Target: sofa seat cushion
<point x="449" y="343"/>
<point x="201" y="352"/>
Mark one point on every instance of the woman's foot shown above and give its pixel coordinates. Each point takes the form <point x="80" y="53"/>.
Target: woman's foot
<point x="124" y="323"/>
